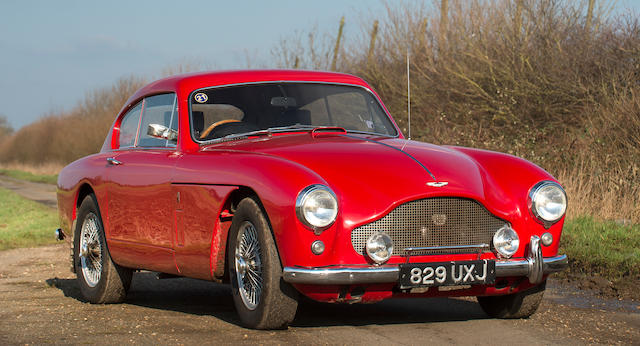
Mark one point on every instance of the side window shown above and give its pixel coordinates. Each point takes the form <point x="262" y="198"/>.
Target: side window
<point x="158" y="110"/>
<point x="129" y="127"/>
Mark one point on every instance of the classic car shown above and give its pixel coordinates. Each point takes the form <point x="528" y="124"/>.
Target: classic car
<point x="287" y="183"/>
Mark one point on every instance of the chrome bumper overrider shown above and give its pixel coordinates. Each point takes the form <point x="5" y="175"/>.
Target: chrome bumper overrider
<point x="533" y="266"/>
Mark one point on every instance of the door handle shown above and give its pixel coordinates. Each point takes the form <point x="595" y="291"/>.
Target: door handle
<point x="113" y="161"/>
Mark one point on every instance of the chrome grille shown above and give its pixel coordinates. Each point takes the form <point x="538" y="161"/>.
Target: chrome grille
<point x="441" y="221"/>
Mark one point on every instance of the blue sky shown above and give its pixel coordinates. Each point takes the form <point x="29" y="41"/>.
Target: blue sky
<point x="53" y="52"/>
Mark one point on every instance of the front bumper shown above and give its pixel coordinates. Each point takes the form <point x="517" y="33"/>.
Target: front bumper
<point x="533" y="266"/>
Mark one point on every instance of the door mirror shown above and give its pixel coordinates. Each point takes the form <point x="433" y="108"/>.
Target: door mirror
<point x="162" y="132"/>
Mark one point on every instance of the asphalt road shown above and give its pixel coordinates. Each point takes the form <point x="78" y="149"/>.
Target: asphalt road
<point x="40" y="304"/>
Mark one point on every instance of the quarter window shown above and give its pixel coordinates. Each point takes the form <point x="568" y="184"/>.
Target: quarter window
<point x="129" y="127"/>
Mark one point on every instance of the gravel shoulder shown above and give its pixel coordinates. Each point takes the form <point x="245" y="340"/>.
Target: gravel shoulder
<point x="40" y="303"/>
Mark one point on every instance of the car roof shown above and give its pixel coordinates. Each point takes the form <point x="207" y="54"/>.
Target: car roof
<point x="193" y="81"/>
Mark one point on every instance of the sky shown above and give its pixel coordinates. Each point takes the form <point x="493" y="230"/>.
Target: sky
<point x="53" y="52"/>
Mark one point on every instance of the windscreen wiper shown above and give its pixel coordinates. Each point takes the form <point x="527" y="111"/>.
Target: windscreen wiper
<point x="263" y="132"/>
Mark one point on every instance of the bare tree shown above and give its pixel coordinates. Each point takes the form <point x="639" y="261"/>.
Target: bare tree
<point x="5" y="127"/>
<point x="590" y="14"/>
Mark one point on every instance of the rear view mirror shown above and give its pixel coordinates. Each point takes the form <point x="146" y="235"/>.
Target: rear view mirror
<point x="162" y="132"/>
<point x="280" y="101"/>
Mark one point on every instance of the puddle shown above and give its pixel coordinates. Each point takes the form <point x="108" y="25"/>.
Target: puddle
<point x="565" y="294"/>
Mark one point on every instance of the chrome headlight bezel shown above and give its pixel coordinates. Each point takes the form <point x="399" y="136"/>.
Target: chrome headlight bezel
<point x="537" y="192"/>
<point x="305" y="196"/>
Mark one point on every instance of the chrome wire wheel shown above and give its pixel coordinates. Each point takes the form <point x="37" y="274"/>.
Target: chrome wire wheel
<point x="91" y="250"/>
<point x="248" y="265"/>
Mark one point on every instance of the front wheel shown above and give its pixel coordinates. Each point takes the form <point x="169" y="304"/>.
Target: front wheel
<point x="518" y="305"/>
<point x="101" y="281"/>
<point x="263" y="300"/>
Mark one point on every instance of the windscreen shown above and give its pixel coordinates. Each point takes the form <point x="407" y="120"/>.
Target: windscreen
<point x="223" y="111"/>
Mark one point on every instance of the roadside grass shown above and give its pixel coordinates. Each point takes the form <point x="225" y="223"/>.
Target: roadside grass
<point x="24" y="223"/>
<point x="24" y="175"/>
<point x="607" y="248"/>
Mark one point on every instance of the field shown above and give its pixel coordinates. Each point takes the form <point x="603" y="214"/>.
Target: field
<point x="24" y="223"/>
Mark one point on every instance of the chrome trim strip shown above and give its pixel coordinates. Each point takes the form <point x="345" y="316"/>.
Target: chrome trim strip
<point x="340" y="276"/>
<point x="452" y="247"/>
<point x="522" y="267"/>
<point x="386" y="274"/>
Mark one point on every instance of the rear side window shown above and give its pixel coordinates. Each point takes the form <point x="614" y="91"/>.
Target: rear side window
<point x="160" y="110"/>
<point x="129" y="127"/>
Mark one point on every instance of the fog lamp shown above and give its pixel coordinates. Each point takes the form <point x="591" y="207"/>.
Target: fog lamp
<point x="546" y="239"/>
<point x="379" y="247"/>
<point x="317" y="247"/>
<point x="506" y="241"/>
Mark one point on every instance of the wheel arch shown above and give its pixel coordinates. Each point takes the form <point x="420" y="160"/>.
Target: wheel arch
<point x="84" y="190"/>
<point x="230" y="204"/>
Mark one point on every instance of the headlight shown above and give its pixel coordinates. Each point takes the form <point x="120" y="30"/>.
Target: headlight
<point x="548" y="202"/>
<point x="506" y="241"/>
<point x="379" y="247"/>
<point x="317" y="207"/>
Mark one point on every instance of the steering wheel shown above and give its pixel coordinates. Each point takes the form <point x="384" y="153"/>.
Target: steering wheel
<point x="206" y="132"/>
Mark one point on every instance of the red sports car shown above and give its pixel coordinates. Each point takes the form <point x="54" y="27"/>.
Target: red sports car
<point x="296" y="182"/>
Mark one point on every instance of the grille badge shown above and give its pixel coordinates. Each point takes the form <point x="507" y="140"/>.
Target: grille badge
<point x="437" y="183"/>
<point x="439" y="219"/>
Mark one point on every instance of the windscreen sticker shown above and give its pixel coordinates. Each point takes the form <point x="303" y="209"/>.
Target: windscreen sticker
<point x="201" y="97"/>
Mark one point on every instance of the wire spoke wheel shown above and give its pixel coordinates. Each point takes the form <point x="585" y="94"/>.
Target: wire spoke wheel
<point x="248" y="265"/>
<point x="91" y="250"/>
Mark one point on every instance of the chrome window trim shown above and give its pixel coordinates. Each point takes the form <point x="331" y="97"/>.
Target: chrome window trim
<point x="145" y="148"/>
<point x="384" y="109"/>
<point x="173" y="111"/>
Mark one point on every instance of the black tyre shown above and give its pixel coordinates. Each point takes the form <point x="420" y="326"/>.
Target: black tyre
<point x="101" y="281"/>
<point x="518" y="305"/>
<point x="263" y="300"/>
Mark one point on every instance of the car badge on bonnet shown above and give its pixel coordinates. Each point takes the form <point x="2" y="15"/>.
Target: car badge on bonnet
<point x="438" y="183"/>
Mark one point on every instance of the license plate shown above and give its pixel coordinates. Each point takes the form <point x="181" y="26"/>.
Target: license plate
<point x="447" y="273"/>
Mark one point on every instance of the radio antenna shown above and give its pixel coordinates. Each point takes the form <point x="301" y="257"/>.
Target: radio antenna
<point x="408" y="96"/>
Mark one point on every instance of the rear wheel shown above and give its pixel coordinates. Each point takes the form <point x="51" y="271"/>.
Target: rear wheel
<point x="263" y="300"/>
<point x="100" y="279"/>
<point x="518" y="305"/>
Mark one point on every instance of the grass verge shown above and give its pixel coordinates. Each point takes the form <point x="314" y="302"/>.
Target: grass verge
<point x="606" y="248"/>
<point x="23" y="175"/>
<point x="24" y="223"/>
